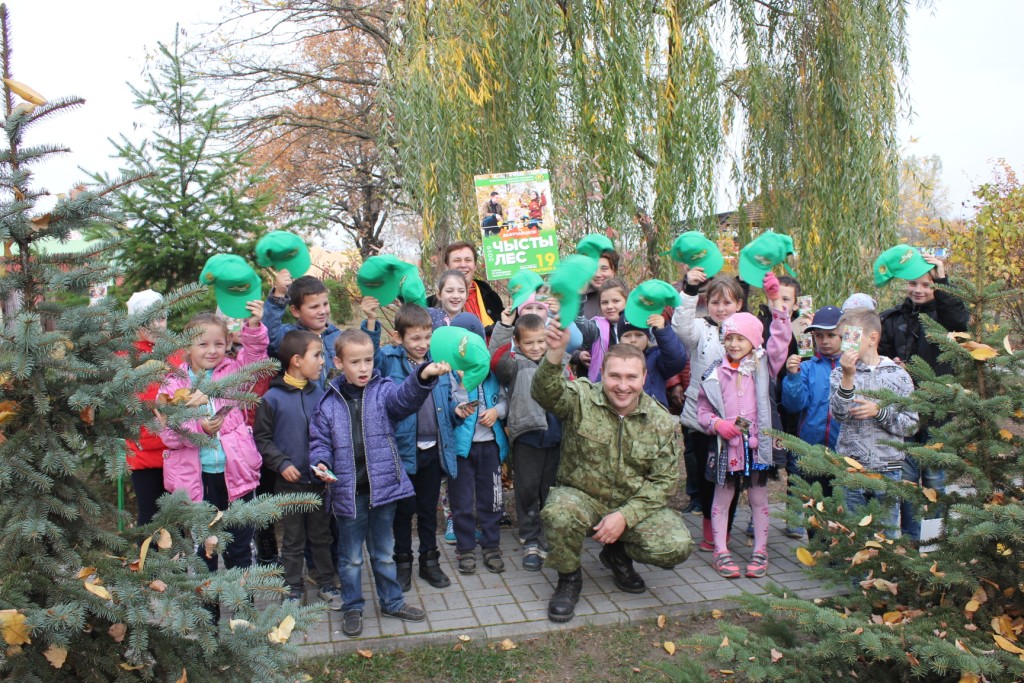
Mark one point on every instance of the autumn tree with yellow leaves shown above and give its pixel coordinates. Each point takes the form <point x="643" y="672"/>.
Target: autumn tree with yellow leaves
<point x="79" y="600"/>
<point x="950" y="611"/>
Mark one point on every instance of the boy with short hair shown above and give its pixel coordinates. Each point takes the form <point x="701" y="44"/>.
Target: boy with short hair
<point x="426" y="443"/>
<point x="281" y="431"/>
<point x="352" y="436"/>
<point x="864" y="425"/>
<point x="535" y="433"/>
<point x="308" y="301"/>
<point x="805" y="393"/>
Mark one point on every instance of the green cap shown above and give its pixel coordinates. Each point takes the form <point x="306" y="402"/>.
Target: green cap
<point x="234" y="283"/>
<point x="764" y="253"/>
<point x="648" y="298"/>
<point x="381" y="277"/>
<point x="903" y="262"/>
<point x="568" y="281"/>
<point x="282" y="250"/>
<point x="465" y="351"/>
<point x="523" y="285"/>
<point x="594" y="245"/>
<point x="411" y="289"/>
<point x="697" y="251"/>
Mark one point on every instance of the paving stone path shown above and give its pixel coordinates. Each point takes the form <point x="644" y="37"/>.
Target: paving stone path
<point x="513" y="604"/>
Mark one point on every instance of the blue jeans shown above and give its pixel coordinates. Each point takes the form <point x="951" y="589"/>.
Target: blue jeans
<point x="374" y="527"/>
<point x="929" y="478"/>
<point x="859" y="498"/>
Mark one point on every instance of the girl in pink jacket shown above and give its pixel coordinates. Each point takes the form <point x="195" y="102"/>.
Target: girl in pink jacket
<point x="735" y="403"/>
<point x="228" y="468"/>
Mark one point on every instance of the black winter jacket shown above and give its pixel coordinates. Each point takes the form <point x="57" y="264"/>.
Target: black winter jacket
<point x="903" y="335"/>
<point x="281" y="428"/>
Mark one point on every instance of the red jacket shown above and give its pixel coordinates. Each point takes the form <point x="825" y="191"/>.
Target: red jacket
<point x="148" y="452"/>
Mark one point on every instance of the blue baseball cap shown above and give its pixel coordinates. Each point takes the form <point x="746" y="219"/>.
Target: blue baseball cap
<point x="825" y="318"/>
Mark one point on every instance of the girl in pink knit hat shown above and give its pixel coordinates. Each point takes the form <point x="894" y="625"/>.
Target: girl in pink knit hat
<point x="735" y="403"/>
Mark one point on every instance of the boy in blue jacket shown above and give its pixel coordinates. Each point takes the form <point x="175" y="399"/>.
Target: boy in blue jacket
<point x="281" y="431"/>
<point x="426" y="443"/>
<point x="481" y="446"/>
<point x="352" y="446"/>
<point x="805" y="393"/>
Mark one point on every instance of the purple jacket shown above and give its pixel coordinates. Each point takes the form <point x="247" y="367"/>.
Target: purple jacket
<point x="385" y="403"/>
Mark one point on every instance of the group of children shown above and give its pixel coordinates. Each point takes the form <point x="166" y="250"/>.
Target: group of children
<point x="379" y="440"/>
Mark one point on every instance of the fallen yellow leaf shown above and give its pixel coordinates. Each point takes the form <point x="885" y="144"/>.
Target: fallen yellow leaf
<point x="158" y="585"/>
<point x="1005" y="435"/>
<point x="15" y="629"/>
<point x="971" y="606"/>
<point x="130" y="667"/>
<point x="930" y="494"/>
<point x="725" y="642"/>
<point x="24" y="92"/>
<point x="662" y="621"/>
<point x="1006" y="345"/>
<point x="86" y="572"/>
<point x="669" y="646"/>
<point x="716" y="614"/>
<point x="98" y="591"/>
<point x="1005" y="644"/>
<point x="368" y="654"/>
<point x="776" y="655"/>
<point x="143" y="552"/>
<point x="853" y="463"/>
<point x="465" y="638"/>
<point x="216" y="518"/>
<point x="968" y="677"/>
<point x="980" y="352"/>
<point x="238" y="623"/>
<point x="184" y="677"/>
<point x="865" y="520"/>
<point x="805" y="557"/>
<point x="507" y="645"/>
<point x="56" y="656"/>
<point x="163" y="539"/>
<point x="935" y="570"/>
<point x="892" y="617"/>
<point x="873" y="544"/>
<point x="283" y="632"/>
<point x="860" y="557"/>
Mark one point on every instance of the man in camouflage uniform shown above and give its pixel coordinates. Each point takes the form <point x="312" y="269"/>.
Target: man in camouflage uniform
<point x="619" y="466"/>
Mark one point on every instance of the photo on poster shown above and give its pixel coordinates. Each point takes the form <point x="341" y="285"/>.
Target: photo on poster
<point x="517" y="223"/>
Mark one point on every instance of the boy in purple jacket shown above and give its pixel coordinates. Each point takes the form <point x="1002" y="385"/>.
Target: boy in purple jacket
<point x="352" y="436"/>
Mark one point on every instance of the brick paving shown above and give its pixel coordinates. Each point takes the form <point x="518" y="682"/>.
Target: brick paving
<point x="513" y="604"/>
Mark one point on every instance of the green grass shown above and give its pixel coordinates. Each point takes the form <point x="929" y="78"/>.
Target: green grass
<point x="631" y="653"/>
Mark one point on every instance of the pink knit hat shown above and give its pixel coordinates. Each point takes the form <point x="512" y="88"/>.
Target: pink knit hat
<point x="745" y="325"/>
<point x="533" y="300"/>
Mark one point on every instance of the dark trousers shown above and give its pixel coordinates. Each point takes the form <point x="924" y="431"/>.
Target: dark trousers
<point x="533" y="474"/>
<point x="266" y="538"/>
<point x="148" y="485"/>
<point x="427" y="485"/>
<point x="300" y="527"/>
<point x="477" y="485"/>
<point x="239" y="551"/>
<point x="700" y="444"/>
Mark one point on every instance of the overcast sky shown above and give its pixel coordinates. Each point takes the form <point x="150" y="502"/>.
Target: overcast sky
<point x="966" y="79"/>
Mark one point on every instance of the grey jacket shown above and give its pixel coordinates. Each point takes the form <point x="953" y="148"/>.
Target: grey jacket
<point x="703" y="346"/>
<point x="515" y="372"/>
<point x="862" y="439"/>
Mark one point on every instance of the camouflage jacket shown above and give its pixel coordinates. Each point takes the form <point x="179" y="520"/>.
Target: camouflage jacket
<point x="626" y="463"/>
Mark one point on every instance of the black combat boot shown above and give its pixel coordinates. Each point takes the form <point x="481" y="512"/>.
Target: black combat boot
<point x="562" y="606"/>
<point x="431" y="572"/>
<point x="403" y="570"/>
<point x="266" y="547"/>
<point x="626" y="579"/>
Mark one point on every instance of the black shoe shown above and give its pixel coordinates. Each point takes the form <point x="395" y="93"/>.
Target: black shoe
<point x="562" y="605"/>
<point x="403" y="571"/>
<point x="626" y="579"/>
<point x="407" y="613"/>
<point x="352" y="623"/>
<point x="431" y="572"/>
<point x="693" y="508"/>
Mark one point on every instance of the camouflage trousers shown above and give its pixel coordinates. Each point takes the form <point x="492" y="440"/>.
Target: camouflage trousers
<point x="569" y="516"/>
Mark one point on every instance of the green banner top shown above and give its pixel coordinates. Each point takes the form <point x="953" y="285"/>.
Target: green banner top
<point x="510" y="178"/>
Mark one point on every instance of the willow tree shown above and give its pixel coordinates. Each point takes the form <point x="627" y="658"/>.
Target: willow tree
<point x="637" y="106"/>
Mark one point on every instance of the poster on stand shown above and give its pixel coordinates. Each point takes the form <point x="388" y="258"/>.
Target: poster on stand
<point x="517" y="223"/>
